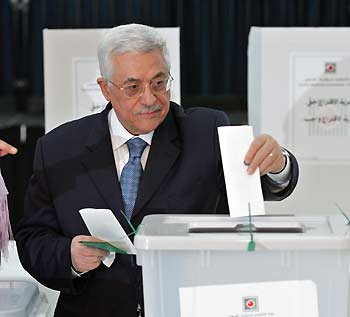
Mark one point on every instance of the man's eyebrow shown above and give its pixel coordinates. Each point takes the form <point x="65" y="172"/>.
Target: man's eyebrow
<point x="131" y="80"/>
<point x="160" y="74"/>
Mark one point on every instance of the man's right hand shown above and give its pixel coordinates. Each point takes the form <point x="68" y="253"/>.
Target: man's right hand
<point x="86" y="258"/>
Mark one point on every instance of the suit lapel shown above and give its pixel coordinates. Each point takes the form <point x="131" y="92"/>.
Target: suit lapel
<point x="165" y="149"/>
<point x="100" y="165"/>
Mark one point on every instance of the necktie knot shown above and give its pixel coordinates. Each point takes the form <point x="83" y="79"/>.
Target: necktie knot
<point x="136" y="147"/>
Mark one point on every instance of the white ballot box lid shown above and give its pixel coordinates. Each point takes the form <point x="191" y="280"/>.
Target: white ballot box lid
<point x="22" y="299"/>
<point x="220" y="232"/>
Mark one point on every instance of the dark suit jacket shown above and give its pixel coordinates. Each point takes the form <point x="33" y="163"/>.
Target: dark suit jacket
<point x="74" y="168"/>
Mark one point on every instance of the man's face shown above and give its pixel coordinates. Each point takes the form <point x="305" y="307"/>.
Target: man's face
<point x="138" y="114"/>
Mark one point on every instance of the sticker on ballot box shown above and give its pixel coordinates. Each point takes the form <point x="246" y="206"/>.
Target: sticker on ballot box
<point x="267" y="299"/>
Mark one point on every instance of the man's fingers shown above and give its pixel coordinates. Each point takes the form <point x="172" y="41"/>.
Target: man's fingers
<point x="265" y="154"/>
<point x="86" y="258"/>
<point x="85" y="266"/>
<point x="262" y="158"/>
<point x="268" y="162"/>
<point x="88" y="251"/>
<point x="93" y="260"/>
<point x="254" y="147"/>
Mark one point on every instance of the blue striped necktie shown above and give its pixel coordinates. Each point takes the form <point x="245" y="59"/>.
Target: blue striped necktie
<point x="131" y="174"/>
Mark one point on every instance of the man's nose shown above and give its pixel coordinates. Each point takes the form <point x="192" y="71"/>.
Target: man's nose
<point x="148" y="97"/>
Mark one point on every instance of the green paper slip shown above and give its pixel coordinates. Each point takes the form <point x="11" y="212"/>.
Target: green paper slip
<point x="103" y="246"/>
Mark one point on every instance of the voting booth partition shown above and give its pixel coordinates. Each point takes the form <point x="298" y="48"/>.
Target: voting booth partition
<point x="298" y="91"/>
<point x="199" y="266"/>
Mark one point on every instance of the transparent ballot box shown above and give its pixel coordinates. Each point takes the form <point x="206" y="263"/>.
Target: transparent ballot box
<point x="22" y="299"/>
<point x="182" y="251"/>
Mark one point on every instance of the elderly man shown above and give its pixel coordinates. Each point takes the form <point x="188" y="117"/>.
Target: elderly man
<point x="142" y="154"/>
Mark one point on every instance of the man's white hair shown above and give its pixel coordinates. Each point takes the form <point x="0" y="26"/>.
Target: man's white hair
<point x="129" y="38"/>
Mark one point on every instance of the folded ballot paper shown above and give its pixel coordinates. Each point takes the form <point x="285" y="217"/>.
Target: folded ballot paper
<point x="5" y="228"/>
<point x="242" y="189"/>
<point x="103" y="225"/>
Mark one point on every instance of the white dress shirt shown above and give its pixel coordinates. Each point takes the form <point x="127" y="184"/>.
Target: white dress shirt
<point x="119" y="137"/>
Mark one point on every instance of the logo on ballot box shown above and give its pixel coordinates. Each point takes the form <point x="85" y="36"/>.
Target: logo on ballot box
<point x="330" y="68"/>
<point x="250" y="303"/>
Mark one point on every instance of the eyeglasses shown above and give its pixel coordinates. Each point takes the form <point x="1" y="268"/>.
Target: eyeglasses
<point x="157" y="86"/>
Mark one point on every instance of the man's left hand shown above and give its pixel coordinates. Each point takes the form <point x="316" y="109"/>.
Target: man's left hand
<point x="264" y="153"/>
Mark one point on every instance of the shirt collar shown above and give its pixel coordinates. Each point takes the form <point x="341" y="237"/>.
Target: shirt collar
<point x="120" y="135"/>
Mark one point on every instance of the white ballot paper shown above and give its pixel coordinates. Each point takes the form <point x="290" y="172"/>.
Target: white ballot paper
<point x="267" y="299"/>
<point x="104" y="225"/>
<point x="241" y="188"/>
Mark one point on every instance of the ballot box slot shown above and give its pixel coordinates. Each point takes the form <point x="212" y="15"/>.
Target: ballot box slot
<point x="232" y="227"/>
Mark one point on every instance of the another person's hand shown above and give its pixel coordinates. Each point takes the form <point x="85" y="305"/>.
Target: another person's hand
<point x="6" y="148"/>
<point x="265" y="153"/>
<point x="86" y="258"/>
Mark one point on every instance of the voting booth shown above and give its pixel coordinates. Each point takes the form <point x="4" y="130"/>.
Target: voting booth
<point x="298" y="91"/>
<point x="200" y="266"/>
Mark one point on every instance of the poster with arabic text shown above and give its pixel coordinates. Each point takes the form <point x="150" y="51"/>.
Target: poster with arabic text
<point x="320" y="105"/>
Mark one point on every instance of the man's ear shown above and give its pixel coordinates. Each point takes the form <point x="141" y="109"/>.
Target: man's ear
<point x="104" y="87"/>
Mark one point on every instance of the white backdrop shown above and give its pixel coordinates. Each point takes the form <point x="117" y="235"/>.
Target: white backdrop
<point x="71" y="69"/>
<point x="299" y="92"/>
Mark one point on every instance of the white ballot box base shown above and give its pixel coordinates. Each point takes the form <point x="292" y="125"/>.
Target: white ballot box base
<point x="172" y="258"/>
